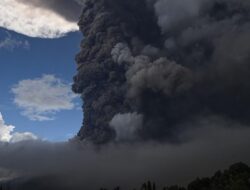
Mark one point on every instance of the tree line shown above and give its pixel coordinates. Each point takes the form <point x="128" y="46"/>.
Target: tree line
<point x="237" y="177"/>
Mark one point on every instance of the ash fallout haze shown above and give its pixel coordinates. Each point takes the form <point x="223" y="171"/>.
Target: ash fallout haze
<point x="163" y="85"/>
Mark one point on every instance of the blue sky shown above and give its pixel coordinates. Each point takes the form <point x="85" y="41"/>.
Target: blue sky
<point x="22" y="58"/>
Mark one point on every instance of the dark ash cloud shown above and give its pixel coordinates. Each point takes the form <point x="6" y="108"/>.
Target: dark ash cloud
<point x="170" y="61"/>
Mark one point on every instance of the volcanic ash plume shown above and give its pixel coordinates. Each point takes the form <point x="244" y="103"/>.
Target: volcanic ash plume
<point x="173" y="73"/>
<point x="149" y="69"/>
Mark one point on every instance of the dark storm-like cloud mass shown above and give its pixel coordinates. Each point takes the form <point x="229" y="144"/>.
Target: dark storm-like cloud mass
<point x="166" y="61"/>
<point x="69" y="9"/>
<point x="42" y="165"/>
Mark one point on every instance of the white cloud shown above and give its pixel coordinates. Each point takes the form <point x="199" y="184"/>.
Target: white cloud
<point x="18" y="137"/>
<point x="7" y="133"/>
<point x="41" y="98"/>
<point x="33" y="21"/>
<point x="5" y="130"/>
<point x="11" y="43"/>
<point x="126" y="125"/>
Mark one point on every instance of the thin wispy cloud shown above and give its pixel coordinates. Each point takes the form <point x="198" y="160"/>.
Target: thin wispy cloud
<point x="41" y="98"/>
<point x="34" y="20"/>
<point x="8" y="42"/>
<point x="7" y="133"/>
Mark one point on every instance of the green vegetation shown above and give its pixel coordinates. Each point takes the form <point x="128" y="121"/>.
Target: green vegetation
<point x="237" y="177"/>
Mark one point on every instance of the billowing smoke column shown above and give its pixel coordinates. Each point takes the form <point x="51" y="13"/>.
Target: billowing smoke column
<point x="101" y="79"/>
<point x="148" y="69"/>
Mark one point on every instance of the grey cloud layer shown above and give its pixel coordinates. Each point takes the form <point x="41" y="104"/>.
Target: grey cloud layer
<point x="209" y="147"/>
<point x="69" y="9"/>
